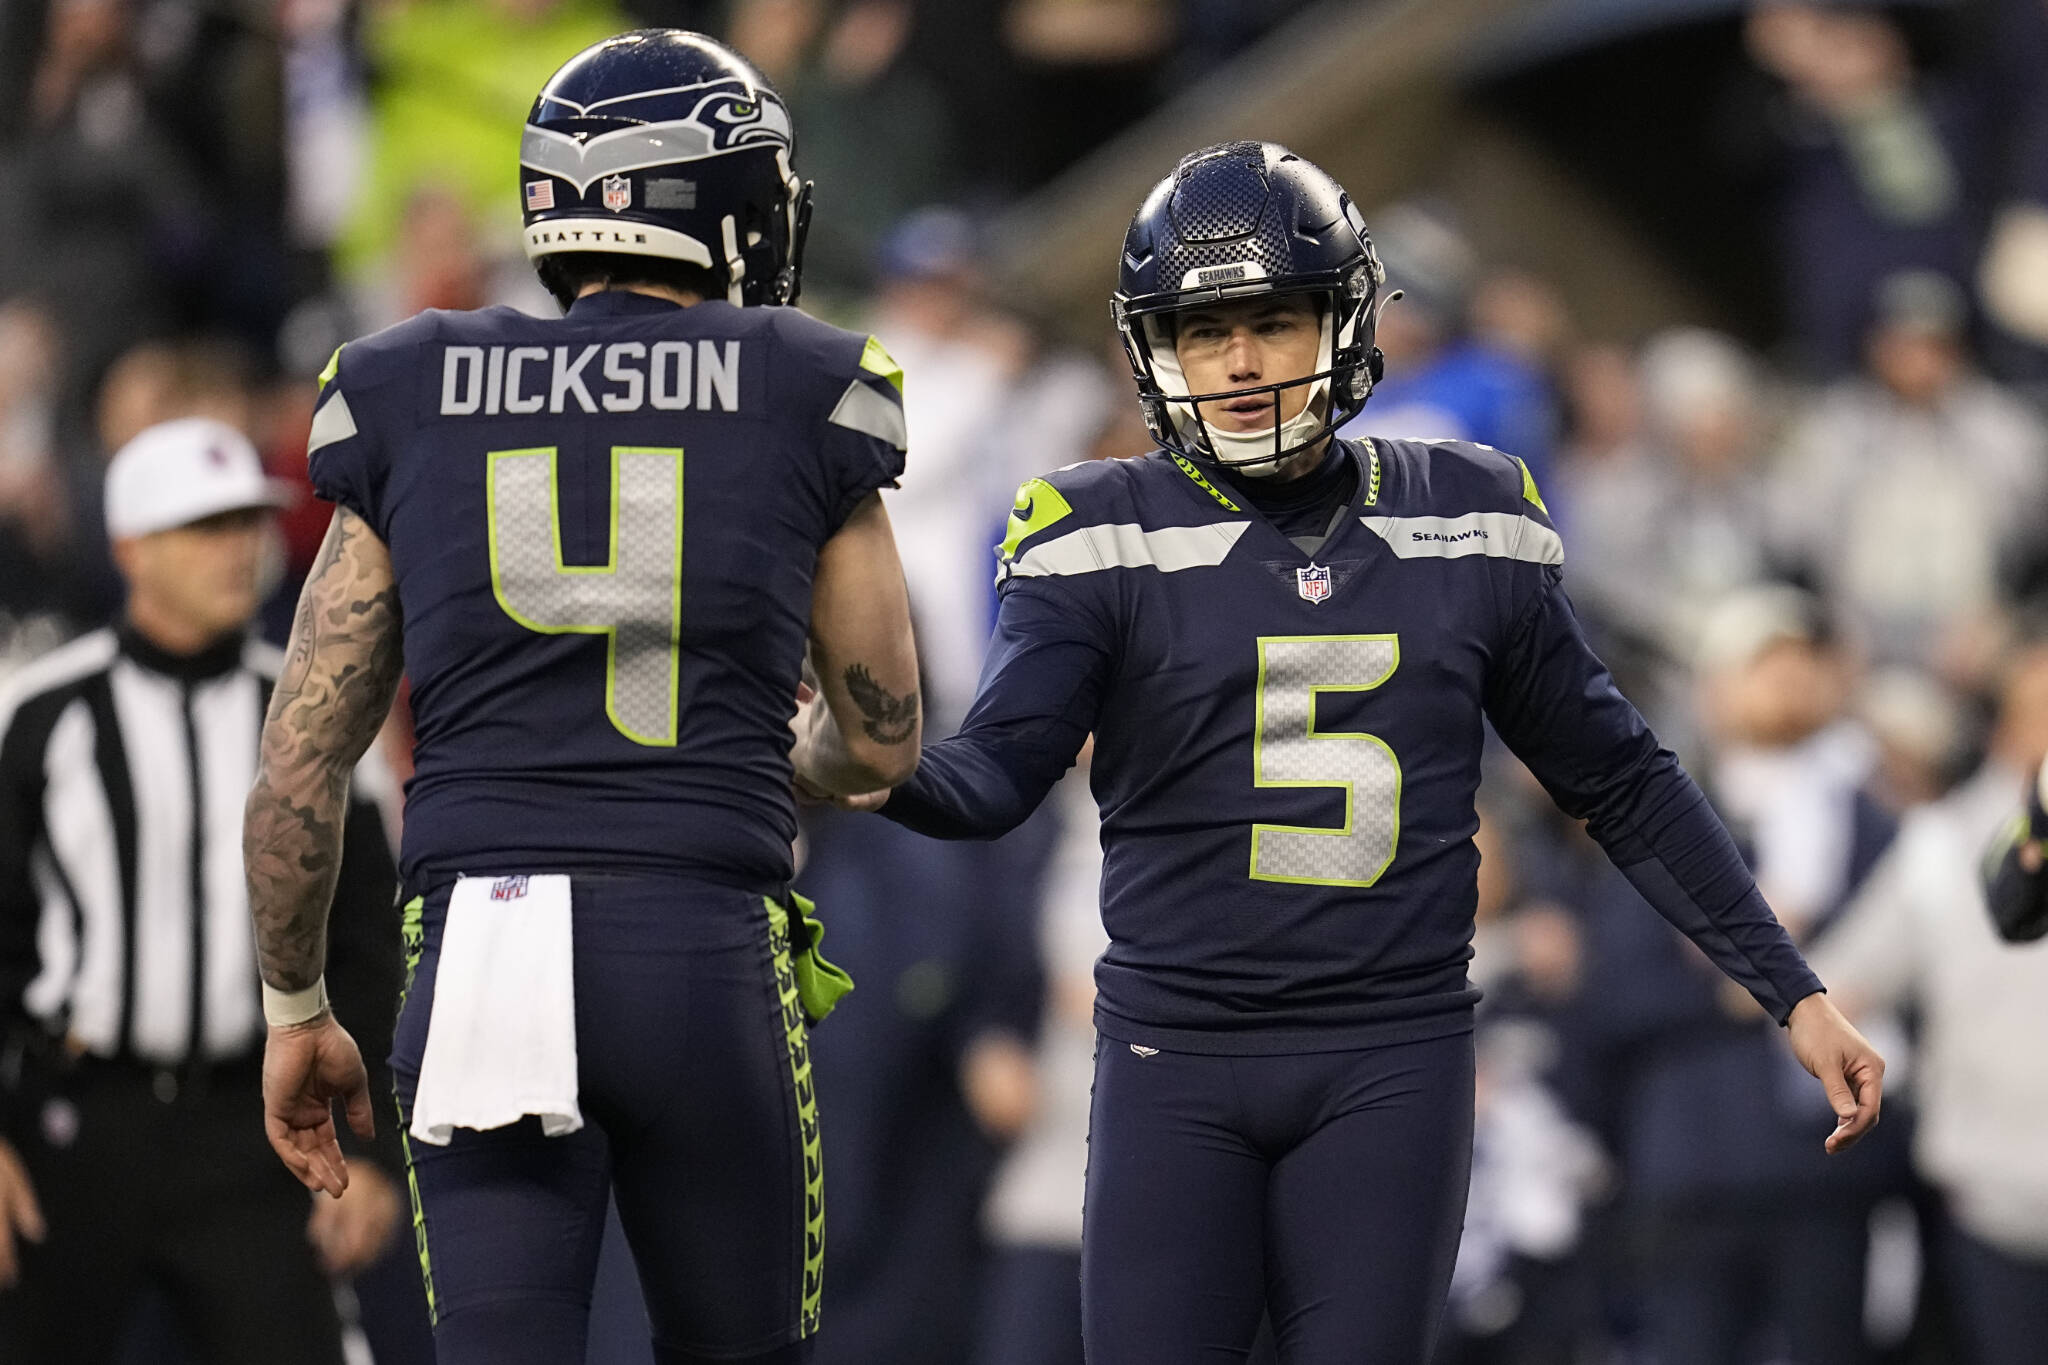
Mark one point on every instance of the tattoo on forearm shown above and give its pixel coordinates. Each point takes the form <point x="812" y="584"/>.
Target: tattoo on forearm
<point x="341" y="670"/>
<point x="887" y="718"/>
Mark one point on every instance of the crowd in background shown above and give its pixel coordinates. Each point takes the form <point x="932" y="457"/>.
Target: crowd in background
<point x="1813" y="560"/>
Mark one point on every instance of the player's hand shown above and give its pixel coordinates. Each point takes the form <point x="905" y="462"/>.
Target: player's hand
<point x="19" y="1214"/>
<point x="864" y="801"/>
<point x="999" y="1080"/>
<point x="350" y="1232"/>
<point x="306" y="1067"/>
<point x="1844" y="1062"/>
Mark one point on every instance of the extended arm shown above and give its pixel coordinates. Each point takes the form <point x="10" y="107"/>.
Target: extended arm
<point x="860" y="732"/>
<point x="1040" y="689"/>
<point x="341" y="670"/>
<point x="1556" y="706"/>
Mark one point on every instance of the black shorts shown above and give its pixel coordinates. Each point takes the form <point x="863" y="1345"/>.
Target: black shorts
<point x="694" y="1078"/>
<point x="1327" y="1189"/>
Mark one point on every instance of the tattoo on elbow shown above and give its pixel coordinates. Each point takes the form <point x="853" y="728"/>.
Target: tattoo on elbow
<point x="885" y="717"/>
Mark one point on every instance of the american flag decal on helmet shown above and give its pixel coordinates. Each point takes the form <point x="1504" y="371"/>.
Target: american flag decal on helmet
<point x="540" y="194"/>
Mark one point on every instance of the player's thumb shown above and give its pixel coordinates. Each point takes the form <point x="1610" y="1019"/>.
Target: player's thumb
<point x="1840" y="1097"/>
<point x="361" y="1113"/>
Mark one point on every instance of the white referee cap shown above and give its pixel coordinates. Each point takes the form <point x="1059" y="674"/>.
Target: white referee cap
<point x="176" y="473"/>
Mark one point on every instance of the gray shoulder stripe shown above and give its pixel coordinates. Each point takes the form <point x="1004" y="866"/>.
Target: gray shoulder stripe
<point x="864" y="409"/>
<point x="334" y="422"/>
<point x="1497" y="535"/>
<point x="1125" y="546"/>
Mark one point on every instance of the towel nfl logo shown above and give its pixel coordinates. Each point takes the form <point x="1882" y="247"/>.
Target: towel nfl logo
<point x="618" y="192"/>
<point x="540" y="194"/>
<point x="508" y="888"/>
<point x="1313" y="583"/>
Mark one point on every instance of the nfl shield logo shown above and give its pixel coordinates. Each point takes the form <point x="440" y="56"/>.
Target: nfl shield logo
<point x="1313" y="583"/>
<point x="508" y="888"/>
<point x="618" y="192"/>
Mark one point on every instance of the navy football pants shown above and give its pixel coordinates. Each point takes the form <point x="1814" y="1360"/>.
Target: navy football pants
<point x="694" y="1078"/>
<point x="1328" y="1188"/>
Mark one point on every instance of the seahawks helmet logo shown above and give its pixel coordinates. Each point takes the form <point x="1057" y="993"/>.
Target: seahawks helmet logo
<point x="679" y="125"/>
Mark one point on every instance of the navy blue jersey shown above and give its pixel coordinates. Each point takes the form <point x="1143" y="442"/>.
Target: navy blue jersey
<point x="1288" y="750"/>
<point x="603" y="529"/>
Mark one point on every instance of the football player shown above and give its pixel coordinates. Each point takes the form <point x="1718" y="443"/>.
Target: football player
<point x="598" y="546"/>
<point x="1287" y="647"/>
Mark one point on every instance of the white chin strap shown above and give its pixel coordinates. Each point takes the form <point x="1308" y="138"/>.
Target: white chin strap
<point x="1251" y="453"/>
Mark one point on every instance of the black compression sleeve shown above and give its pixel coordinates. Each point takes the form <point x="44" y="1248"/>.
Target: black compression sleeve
<point x="1040" y="689"/>
<point x="1555" y="704"/>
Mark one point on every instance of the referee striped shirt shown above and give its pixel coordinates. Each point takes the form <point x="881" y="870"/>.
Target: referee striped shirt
<point x="124" y="917"/>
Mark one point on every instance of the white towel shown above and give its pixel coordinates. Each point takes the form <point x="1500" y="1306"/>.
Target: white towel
<point x="501" y="1042"/>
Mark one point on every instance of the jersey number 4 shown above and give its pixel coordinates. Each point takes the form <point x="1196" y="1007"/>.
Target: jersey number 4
<point x="634" y="600"/>
<point x="1288" y="750"/>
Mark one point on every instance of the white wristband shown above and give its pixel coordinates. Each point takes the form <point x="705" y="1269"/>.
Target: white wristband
<point x="284" y="1008"/>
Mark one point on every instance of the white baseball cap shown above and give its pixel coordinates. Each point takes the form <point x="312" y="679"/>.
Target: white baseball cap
<point x="176" y="473"/>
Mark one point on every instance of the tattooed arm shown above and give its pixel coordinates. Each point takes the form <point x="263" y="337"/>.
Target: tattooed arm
<point x="860" y="732"/>
<point x="341" y="670"/>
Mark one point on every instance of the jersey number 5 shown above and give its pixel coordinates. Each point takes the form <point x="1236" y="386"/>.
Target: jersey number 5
<point x="634" y="600"/>
<point x="1288" y="750"/>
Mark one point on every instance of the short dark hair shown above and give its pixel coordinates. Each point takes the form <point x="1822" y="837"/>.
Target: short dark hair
<point x="567" y="274"/>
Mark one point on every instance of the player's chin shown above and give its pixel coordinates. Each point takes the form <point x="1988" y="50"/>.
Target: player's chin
<point x="1257" y="422"/>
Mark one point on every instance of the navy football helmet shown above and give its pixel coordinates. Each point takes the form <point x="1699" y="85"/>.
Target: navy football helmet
<point x="1242" y="220"/>
<point x="661" y="142"/>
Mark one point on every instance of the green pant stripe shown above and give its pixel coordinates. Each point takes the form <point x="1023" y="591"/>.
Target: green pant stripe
<point x="798" y="1039"/>
<point x="415" y="940"/>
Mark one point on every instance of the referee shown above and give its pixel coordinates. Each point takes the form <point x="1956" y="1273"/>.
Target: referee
<point x="131" y="1032"/>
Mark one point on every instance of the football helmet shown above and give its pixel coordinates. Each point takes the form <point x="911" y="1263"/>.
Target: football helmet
<point x="1241" y="220"/>
<point x="661" y="142"/>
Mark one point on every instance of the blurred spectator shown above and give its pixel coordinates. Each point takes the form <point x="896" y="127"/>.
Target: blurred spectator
<point x="1520" y="1294"/>
<point x="1921" y="735"/>
<point x="160" y="381"/>
<point x="452" y="83"/>
<point x="1790" y="767"/>
<point x="1515" y="1296"/>
<point x="960" y="357"/>
<point x="1914" y="495"/>
<point x="97" y="204"/>
<point x="2013" y="273"/>
<point x="1674" y="519"/>
<point x="1442" y="378"/>
<point x="1874" y="175"/>
<point x="35" y="524"/>
<point x="1087" y="68"/>
<point x="1523" y="314"/>
<point x="1919" y="938"/>
<point x="878" y="134"/>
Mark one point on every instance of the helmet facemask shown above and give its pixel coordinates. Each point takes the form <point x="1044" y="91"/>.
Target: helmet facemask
<point x="1343" y="373"/>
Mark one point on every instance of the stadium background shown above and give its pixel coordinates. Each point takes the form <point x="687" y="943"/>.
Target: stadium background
<point x="1760" y="292"/>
